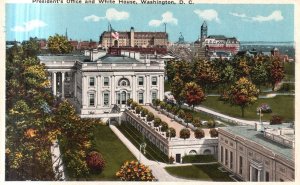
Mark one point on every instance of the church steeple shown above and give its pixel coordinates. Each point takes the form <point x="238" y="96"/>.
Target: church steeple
<point x="203" y="30"/>
<point x="66" y="35"/>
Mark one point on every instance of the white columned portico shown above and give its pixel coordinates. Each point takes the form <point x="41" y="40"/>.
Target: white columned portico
<point x="258" y="175"/>
<point x="251" y="173"/>
<point x="113" y="93"/>
<point x="98" y="85"/>
<point x="54" y="83"/>
<point x="63" y="84"/>
<point x="133" y="85"/>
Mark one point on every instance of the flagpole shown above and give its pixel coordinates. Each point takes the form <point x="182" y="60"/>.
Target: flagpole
<point x="110" y="34"/>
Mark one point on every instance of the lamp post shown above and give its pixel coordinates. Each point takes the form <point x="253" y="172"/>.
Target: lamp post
<point x="142" y="147"/>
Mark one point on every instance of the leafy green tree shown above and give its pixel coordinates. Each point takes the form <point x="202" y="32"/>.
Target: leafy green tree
<point x="196" y="122"/>
<point x="157" y="122"/>
<point x="171" y="132"/>
<point x="176" y="89"/>
<point x="193" y="94"/>
<point x="31" y="47"/>
<point x="199" y="133"/>
<point x="259" y="75"/>
<point x="135" y="171"/>
<point x="59" y="44"/>
<point x="164" y="126"/>
<point x="184" y="133"/>
<point x="243" y="93"/>
<point x="275" y="70"/>
<point x="213" y="132"/>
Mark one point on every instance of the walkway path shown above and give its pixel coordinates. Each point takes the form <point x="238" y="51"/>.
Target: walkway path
<point x="157" y="167"/>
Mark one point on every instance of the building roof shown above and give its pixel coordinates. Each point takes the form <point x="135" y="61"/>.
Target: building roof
<point x="118" y="59"/>
<point x="138" y="35"/>
<point x="250" y="133"/>
<point x="63" y="57"/>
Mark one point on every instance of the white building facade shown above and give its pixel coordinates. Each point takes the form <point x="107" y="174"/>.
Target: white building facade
<point x="98" y="86"/>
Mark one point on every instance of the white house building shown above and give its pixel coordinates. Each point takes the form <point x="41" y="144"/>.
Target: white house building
<point x="98" y="82"/>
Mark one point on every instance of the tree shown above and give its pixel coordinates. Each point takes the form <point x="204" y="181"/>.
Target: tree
<point x="31" y="47"/>
<point x="193" y="94"/>
<point x="95" y="161"/>
<point x="150" y="116"/>
<point x="135" y="171"/>
<point x="259" y="75"/>
<point x="197" y="122"/>
<point x="211" y="123"/>
<point x="144" y="112"/>
<point x="171" y="132"/>
<point x="275" y="70"/>
<point x="213" y="132"/>
<point x="176" y="89"/>
<point x="199" y="133"/>
<point x="129" y="101"/>
<point x="138" y="109"/>
<point x="205" y="74"/>
<point x="164" y="126"/>
<point x="243" y="93"/>
<point x="275" y="120"/>
<point x="157" y="122"/>
<point x="59" y="44"/>
<point x="184" y="133"/>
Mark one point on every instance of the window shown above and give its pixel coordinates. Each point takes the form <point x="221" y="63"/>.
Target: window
<point x="106" y="81"/>
<point x="154" y="80"/>
<point x="231" y="160"/>
<point x="267" y="177"/>
<point x="222" y="153"/>
<point x="241" y="165"/>
<point x="141" y="80"/>
<point x="92" y="99"/>
<point x="141" y="98"/>
<point x="123" y="82"/>
<point x="154" y="95"/>
<point x="118" y="98"/>
<point x="92" y="81"/>
<point x="106" y="99"/>
<point x="226" y="157"/>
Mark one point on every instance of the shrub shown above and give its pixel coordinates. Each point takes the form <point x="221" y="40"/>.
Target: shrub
<point x="172" y="132"/>
<point x="185" y="133"/>
<point x="265" y="108"/>
<point x="213" y="132"/>
<point x="157" y="122"/>
<point x="188" y="117"/>
<point x="138" y="109"/>
<point x="129" y="101"/>
<point x="171" y="159"/>
<point x="134" y="104"/>
<point x="164" y="126"/>
<point x="156" y="102"/>
<point x="162" y="105"/>
<point x="199" y="133"/>
<point x="174" y="110"/>
<point x="150" y="116"/>
<point x="275" y="120"/>
<point x="196" y="122"/>
<point x="169" y="107"/>
<point x="224" y="97"/>
<point x="211" y="123"/>
<point x="95" y="161"/>
<point x="144" y="112"/>
<point x="181" y="113"/>
<point x="135" y="171"/>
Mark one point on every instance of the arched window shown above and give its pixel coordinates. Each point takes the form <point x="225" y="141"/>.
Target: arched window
<point x="123" y="82"/>
<point x="207" y="152"/>
<point x="192" y="152"/>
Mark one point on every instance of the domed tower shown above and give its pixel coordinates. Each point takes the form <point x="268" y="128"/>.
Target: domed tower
<point x="181" y="39"/>
<point x="204" y="30"/>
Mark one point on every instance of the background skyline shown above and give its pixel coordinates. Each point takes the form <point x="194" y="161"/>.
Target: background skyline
<point x="274" y="23"/>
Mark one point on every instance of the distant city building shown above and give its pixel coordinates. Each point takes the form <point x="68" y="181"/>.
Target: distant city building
<point x="264" y="153"/>
<point x="216" y="43"/>
<point x="133" y="39"/>
<point x="273" y="53"/>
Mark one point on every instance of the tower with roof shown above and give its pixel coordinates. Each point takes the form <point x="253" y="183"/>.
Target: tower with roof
<point x="204" y="30"/>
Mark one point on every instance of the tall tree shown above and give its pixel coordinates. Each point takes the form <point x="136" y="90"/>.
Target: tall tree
<point x="31" y="47"/>
<point x="243" y="93"/>
<point x="275" y="70"/>
<point x="259" y="75"/>
<point x="59" y="44"/>
<point x="176" y="89"/>
<point x="193" y="94"/>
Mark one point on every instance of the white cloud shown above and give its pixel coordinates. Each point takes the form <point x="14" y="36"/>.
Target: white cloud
<point x="274" y="16"/>
<point x="167" y="17"/>
<point x="28" y="26"/>
<point x="238" y="14"/>
<point x="92" y="18"/>
<point x="208" y="15"/>
<point x="111" y="15"/>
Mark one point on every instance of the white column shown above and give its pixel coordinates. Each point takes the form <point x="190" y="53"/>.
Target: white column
<point x="250" y="173"/>
<point x="161" y="87"/>
<point x="98" y="85"/>
<point x="84" y="95"/>
<point x="54" y="83"/>
<point x="113" y="94"/>
<point x="63" y="84"/>
<point x="134" y="84"/>
<point x="75" y="85"/>
<point x="258" y="175"/>
<point x="147" y="89"/>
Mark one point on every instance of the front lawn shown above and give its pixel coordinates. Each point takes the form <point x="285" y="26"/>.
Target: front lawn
<point x="113" y="151"/>
<point x="200" y="172"/>
<point x="280" y="105"/>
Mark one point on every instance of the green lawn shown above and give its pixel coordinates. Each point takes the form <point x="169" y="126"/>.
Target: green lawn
<point x="198" y="159"/>
<point x="289" y="71"/>
<point x="136" y="138"/>
<point x="112" y="149"/>
<point x="280" y="105"/>
<point x="200" y="172"/>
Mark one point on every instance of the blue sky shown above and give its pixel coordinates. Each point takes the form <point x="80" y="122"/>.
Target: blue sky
<point x="246" y="22"/>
